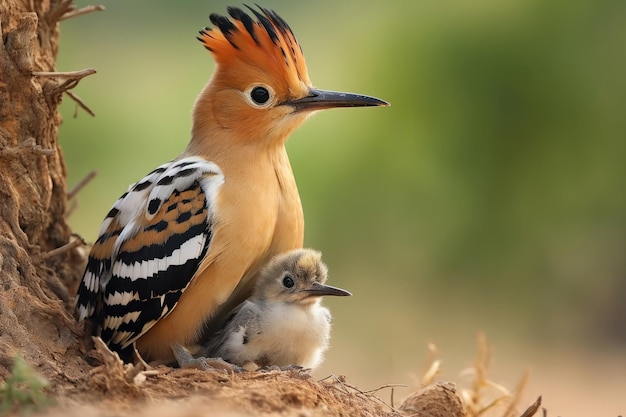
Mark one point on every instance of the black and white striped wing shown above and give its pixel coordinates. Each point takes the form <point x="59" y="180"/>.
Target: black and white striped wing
<point x="149" y="248"/>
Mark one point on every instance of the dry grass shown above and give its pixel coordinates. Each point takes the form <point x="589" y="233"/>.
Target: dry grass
<point x="479" y="397"/>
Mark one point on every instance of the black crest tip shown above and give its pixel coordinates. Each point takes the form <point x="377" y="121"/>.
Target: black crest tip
<point x="267" y="24"/>
<point x="222" y="22"/>
<point x="238" y="14"/>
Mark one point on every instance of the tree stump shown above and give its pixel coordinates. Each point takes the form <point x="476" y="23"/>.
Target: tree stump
<point x="35" y="322"/>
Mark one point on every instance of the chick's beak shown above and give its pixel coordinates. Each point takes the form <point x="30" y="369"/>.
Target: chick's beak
<point x="324" y="99"/>
<point x="317" y="290"/>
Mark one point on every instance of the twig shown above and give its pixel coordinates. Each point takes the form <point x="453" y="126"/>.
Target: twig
<point x="532" y="409"/>
<point x="31" y="144"/>
<point x="71" y="208"/>
<point x="367" y="394"/>
<point x="432" y="372"/>
<point x="371" y="391"/>
<point x="75" y="75"/>
<point x="43" y="151"/>
<point x="515" y="398"/>
<point x="71" y="80"/>
<point x="337" y="379"/>
<point x="79" y="12"/>
<point x="434" y="368"/>
<point x="81" y="184"/>
<point x="345" y="388"/>
<point x="62" y="249"/>
<point x="496" y="402"/>
<point x="27" y="145"/>
<point x="59" y="11"/>
<point x="80" y="104"/>
<point x="139" y="359"/>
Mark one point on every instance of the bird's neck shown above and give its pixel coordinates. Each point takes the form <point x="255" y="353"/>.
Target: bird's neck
<point x="309" y="304"/>
<point x="218" y="148"/>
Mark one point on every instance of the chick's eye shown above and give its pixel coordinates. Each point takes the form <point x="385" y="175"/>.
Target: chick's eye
<point x="288" y="282"/>
<point x="260" y="95"/>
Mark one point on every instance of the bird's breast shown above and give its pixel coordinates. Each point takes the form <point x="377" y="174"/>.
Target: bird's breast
<point x="293" y="334"/>
<point x="258" y="215"/>
<point x="260" y="212"/>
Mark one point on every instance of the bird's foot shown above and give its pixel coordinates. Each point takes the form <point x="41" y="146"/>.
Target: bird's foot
<point x="212" y="364"/>
<point x="268" y="368"/>
<point x="295" y="368"/>
<point x="186" y="360"/>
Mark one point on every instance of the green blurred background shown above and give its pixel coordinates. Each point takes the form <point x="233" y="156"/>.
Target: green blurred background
<point x="490" y="196"/>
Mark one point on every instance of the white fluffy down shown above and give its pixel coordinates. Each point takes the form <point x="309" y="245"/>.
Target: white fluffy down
<point x="288" y="334"/>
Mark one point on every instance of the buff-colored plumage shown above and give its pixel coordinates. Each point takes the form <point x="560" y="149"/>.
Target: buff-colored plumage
<point x="185" y="244"/>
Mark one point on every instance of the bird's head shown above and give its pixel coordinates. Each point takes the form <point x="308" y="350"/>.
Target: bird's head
<point x="296" y="277"/>
<point x="260" y="90"/>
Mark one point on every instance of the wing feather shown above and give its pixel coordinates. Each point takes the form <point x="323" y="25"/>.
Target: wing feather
<point x="241" y="325"/>
<point x="149" y="249"/>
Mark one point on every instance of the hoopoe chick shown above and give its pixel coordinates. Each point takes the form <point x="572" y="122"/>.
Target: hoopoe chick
<point x="184" y="245"/>
<point x="283" y="322"/>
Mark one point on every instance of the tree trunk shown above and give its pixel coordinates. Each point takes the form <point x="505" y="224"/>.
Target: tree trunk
<point x="35" y="319"/>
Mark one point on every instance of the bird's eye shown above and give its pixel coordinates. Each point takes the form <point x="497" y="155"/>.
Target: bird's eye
<point x="288" y="281"/>
<point x="260" y="95"/>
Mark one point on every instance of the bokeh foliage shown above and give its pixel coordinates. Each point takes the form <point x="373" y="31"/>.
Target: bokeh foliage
<point x="493" y="189"/>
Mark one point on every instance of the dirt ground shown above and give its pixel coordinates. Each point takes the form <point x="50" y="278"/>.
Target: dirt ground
<point x="101" y="385"/>
<point x="94" y="382"/>
<point x="129" y="389"/>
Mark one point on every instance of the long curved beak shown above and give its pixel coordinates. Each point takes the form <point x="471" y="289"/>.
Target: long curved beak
<point x="317" y="290"/>
<point x="324" y="99"/>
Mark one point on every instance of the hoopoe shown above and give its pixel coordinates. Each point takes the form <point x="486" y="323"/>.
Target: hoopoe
<point x="185" y="244"/>
<point x="282" y="323"/>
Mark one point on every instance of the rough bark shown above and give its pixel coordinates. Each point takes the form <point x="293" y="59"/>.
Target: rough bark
<point x="34" y="319"/>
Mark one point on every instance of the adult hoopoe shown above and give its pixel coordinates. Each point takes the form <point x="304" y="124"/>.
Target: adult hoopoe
<point x="184" y="245"/>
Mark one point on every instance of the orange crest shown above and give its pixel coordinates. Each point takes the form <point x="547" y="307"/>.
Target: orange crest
<point x="267" y="43"/>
